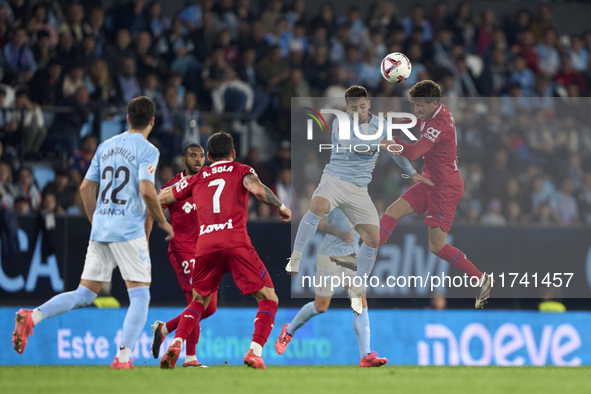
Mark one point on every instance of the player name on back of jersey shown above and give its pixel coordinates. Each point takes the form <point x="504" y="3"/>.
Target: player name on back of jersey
<point x="118" y="151"/>
<point x="217" y="170"/>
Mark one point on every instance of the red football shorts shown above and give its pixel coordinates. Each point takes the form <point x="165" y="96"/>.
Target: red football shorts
<point x="243" y="262"/>
<point x="183" y="263"/>
<point x="439" y="202"/>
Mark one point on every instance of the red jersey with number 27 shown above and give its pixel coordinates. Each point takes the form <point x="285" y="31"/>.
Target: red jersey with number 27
<point x="183" y="219"/>
<point x="441" y="161"/>
<point x="221" y="201"/>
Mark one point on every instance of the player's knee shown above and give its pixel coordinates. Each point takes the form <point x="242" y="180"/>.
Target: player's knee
<point x="372" y="241"/>
<point x="435" y="246"/>
<point x="321" y="308"/>
<point x="319" y="206"/>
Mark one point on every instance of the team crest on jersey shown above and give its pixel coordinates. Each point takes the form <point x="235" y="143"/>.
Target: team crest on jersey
<point x="151" y="168"/>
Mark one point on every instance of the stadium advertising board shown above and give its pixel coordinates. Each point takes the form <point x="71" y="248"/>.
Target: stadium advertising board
<point x="415" y="337"/>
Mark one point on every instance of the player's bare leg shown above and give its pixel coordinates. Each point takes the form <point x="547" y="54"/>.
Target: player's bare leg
<point x="319" y="207"/>
<point x="308" y="311"/>
<point x="396" y="211"/>
<point x="263" y="324"/>
<point x="438" y="245"/>
<point x="26" y="319"/>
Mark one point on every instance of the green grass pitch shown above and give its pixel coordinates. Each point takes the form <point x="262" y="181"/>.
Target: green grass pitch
<point x="303" y="380"/>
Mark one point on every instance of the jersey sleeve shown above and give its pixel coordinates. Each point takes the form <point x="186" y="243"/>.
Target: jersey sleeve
<point x="93" y="173"/>
<point x="147" y="165"/>
<point x="182" y="190"/>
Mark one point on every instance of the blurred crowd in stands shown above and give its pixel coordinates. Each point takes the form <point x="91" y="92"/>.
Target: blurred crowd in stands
<point x="217" y="65"/>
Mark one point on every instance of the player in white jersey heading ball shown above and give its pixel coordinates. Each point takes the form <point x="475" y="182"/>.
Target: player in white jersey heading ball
<point x="122" y="173"/>
<point x="344" y="185"/>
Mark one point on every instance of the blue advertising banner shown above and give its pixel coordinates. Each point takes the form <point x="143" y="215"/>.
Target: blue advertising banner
<point x="412" y="337"/>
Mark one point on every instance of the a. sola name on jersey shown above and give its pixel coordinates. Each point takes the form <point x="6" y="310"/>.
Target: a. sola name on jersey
<point x="217" y="170"/>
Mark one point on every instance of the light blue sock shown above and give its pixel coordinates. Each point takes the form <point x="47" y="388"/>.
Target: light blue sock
<point x="306" y="231"/>
<point x="361" y="327"/>
<point x="365" y="260"/>
<point x="307" y="312"/>
<point x="65" y="302"/>
<point x="137" y="315"/>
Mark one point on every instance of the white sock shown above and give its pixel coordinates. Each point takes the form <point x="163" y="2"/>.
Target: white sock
<point x="123" y="354"/>
<point x="37" y="316"/>
<point x="256" y="349"/>
<point x="163" y="330"/>
<point x="180" y="340"/>
<point x="190" y="358"/>
<point x="296" y="254"/>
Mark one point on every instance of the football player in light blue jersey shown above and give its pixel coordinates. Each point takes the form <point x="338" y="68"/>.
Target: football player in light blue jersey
<point x="122" y="174"/>
<point x="340" y="239"/>
<point x="344" y="185"/>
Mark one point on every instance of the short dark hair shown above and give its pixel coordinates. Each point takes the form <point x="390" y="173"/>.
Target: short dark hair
<point x="426" y="90"/>
<point x="355" y="92"/>
<point x="140" y="110"/>
<point x="21" y="92"/>
<point x="190" y="145"/>
<point x="220" y="145"/>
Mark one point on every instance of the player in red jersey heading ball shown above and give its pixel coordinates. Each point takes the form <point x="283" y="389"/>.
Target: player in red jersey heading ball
<point x="181" y="252"/>
<point x="438" y="146"/>
<point x="220" y="193"/>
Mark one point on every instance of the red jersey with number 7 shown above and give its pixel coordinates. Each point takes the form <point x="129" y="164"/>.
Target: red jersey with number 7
<point x="183" y="219"/>
<point x="221" y="201"/>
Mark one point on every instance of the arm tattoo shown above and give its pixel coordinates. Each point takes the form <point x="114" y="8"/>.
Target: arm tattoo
<point x="271" y="198"/>
<point x="248" y="180"/>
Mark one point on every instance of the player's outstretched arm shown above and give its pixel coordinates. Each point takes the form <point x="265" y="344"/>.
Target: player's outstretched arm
<point x="151" y="199"/>
<point x="253" y="184"/>
<point x="148" y="224"/>
<point x="346" y="236"/>
<point x="89" y="192"/>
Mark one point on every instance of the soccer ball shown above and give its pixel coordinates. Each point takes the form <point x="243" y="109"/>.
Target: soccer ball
<point x="395" y="67"/>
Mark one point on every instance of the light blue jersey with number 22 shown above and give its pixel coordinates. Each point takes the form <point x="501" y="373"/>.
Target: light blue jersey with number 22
<point x="118" y="165"/>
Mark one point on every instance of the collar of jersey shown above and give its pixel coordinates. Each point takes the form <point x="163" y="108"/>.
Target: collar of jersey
<point x="436" y="112"/>
<point x="220" y="162"/>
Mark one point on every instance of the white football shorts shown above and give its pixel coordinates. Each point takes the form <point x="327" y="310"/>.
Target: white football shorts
<point x="132" y="258"/>
<point x="353" y="200"/>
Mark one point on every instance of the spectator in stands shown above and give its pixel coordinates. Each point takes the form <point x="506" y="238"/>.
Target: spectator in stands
<point x="97" y="20"/>
<point x="325" y="18"/>
<point x="103" y="89"/>
<point x="523" y="76"/>
<point x="75" y="23"/>
<point x="63" y="190"/>
<point x="567" y="74"/>
<point x="146" y="60"/>
<point x="548" y="57"/>
<point x="65" y="51"/>
<point x="39" y="21"/>
<point x="157" y="23"/>
<point x="46" y="220"/>
<point x="205" y="36"/>
<point x="78" y="164"/>
<point x="579" y="55"/>
<point x="195" y="129"/>
<point x="317" y="69"/>
<point x="46" y="86"/>
<point x="417" y="19"/>
<point x="22" y="206"/>
<point x="584" y="199"/>
<point x="25" y="187"/>
<point x="19" y="58"/>
<point x="74" y="80"/>
<point x="165" y="173"/>
<point x="29" y="117"/>
<point x="127" y="84"/>
<point x="7" y="190"/>
<point x="64" y="134"/>
<point x="42" y="51"/>
<point x="494" y="217"/>
<point x="566" y="204"/>
<point x="121" y="49"/>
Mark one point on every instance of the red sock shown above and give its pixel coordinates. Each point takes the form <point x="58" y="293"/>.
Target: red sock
<point x="212" y="307"/>
<point x="458" y="259"/>
<point x="189" y="320"/>
<point x="387" y="225"/>
<point x="192" y="340"/>
<point x="264" y="321"/>
<point x="172" y="324"/>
